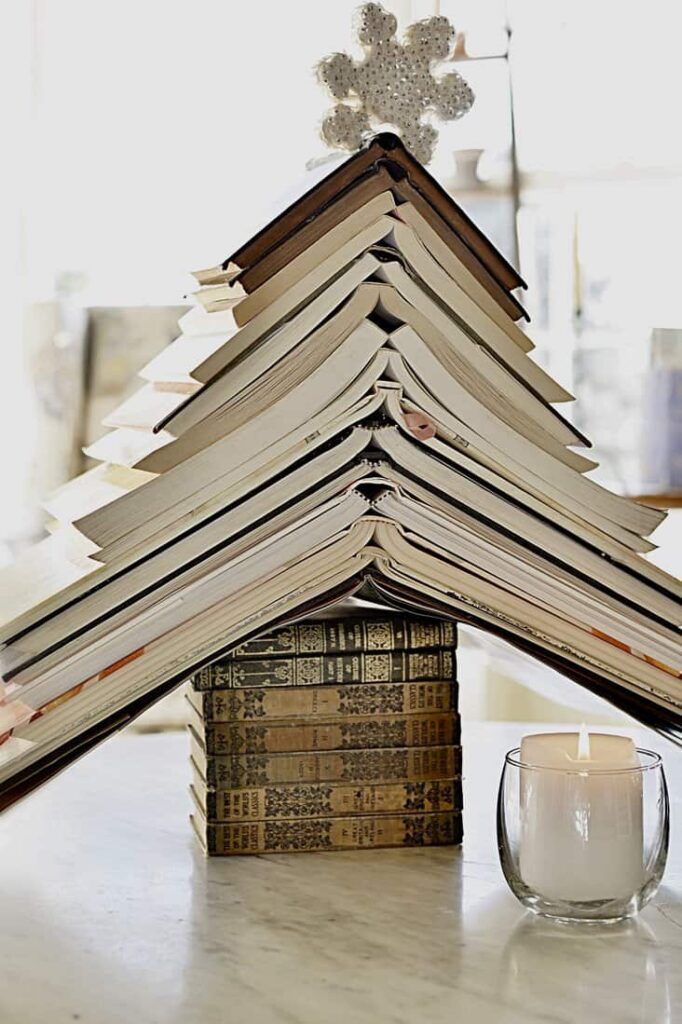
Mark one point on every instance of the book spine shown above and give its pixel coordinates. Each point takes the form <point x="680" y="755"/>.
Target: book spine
<point x="310" y="834"/>
<point x="413" y="764"/>
<point x="346" y="635"/>
<point x="351" y="700"/>
<point x="318" y="669"/>
<point x="434" y="730"/>
<point x="316" y="800"/>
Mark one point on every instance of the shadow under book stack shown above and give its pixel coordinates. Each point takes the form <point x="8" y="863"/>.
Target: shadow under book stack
<point x="329" y="735"/>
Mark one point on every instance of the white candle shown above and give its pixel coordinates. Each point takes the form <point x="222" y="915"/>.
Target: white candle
<point x="581" y="819"/>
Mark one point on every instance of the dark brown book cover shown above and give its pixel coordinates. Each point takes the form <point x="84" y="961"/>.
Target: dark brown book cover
<point x="380" y="178"/>
<point x="288" y="737"/>
<point x="409" y="764"/>
<point x="308" y="232"/>
<point x="316" y="834"/>
<point x="319" y="669"/>
<point x="355" y="633"/>
<point x="332" y="799"/>
<point x="348" y="700"/>
<point x="388" y="150"/>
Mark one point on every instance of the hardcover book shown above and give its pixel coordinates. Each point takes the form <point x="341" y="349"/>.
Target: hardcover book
<point x="415" y="764"/>
<point x="334" y="799"/>
<point x="361" y="634"/>
<point x="289" y="736"/>
<point x="317" y="834"/>
<point x="316" y="669"/>
<point x="348" y="700"/>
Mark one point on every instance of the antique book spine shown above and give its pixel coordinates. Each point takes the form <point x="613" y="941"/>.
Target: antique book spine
<point x="308" y="834"/>
<point x="350" y="634"/>
<point x="432" y="730"/>
<point x="410" y="764"/>
<point x="349" y="700"/>
<point x="335" y="799"/>
<point x="318" y="669"/>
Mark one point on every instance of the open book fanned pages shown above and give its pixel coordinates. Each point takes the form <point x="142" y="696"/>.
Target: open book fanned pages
<point x="351" y="405"/>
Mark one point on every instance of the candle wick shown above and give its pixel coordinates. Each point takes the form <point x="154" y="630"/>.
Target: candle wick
<point x="583" y="744"/>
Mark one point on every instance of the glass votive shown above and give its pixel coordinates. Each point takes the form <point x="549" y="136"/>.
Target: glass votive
<point x="583" y="843"/>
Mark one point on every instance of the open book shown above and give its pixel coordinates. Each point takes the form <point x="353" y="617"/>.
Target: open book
<point x="351" y="405"/>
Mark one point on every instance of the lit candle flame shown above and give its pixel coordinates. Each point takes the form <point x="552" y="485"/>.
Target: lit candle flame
<point x="583" y="743"/>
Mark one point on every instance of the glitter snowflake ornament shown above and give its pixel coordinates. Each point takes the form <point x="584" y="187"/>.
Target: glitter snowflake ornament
<point x="393" y="84"/>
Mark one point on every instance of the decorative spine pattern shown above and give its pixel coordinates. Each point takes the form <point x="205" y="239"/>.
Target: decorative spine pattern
<point x="317" y="702"/>
<point x="318" y="669"/>
<point x="350" y="634"/>
<point x="316" y="800"/>
<point x="308" y="834"/>
<point x="363" y="733"/>
<point x="351" y="766"/>
<point x="329" y="735"/>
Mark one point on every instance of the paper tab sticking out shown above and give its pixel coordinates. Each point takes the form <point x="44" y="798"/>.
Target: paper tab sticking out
<point x="420" y="426"/>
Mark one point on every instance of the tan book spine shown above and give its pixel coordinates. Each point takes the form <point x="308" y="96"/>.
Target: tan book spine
<point x="319" y="669"/>
<point x="434" y="730"/>
<point x="350" y="634"/>
<point x="311" y="702"/>
<point x="415" y="764"/>
<point x="334" y="799"/>
<point x="315" y="834"/>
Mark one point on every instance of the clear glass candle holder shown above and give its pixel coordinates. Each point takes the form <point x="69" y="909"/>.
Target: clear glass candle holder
<point x="583" y="845"/>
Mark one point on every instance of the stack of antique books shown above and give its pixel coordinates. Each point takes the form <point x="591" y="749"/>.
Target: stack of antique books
<point x="329" y="734"/>
<point x="351" y="402"/>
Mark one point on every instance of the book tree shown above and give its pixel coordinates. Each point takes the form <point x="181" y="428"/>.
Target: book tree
<point x="351" y="403"/>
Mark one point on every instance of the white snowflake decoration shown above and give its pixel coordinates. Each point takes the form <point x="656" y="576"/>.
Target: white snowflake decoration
<point x="393" y="84"/>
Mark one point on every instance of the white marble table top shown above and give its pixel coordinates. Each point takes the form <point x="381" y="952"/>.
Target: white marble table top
<point x="110" y="914"/>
